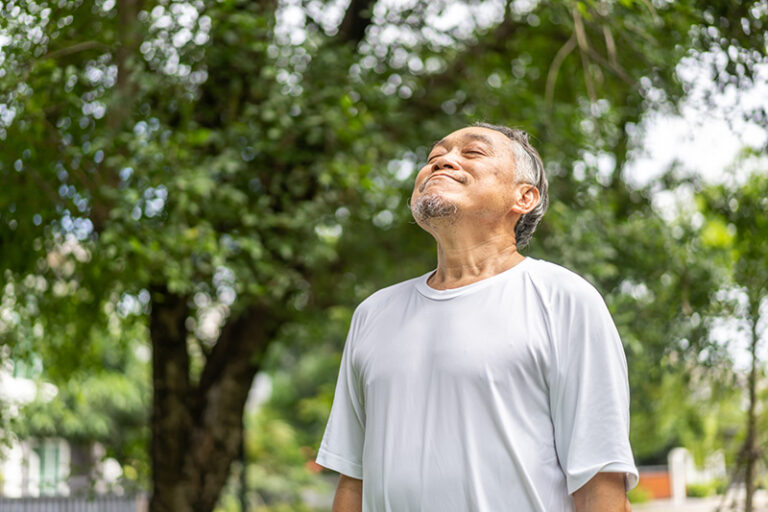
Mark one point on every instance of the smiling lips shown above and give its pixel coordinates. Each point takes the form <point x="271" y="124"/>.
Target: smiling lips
<point x="438" y="175"/>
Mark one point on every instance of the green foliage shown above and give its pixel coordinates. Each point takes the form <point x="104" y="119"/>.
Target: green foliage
<point x="279" y="471"/>
<point x="735" y="213"/>
<point x="718" y="486"/>
<point x="639" y="495"/>
<point x="735" y="221"/>
<point x="283" y="434"/>
<point x="689" y="407"/>
<point x="107" y="405"/>
<point x="195" y="146"/>
<point x="703" y="490"/>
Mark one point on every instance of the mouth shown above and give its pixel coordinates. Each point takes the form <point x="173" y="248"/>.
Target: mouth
<point x="448" y="176"/>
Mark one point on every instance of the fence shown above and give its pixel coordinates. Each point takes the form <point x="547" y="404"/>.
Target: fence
<point x="656" y="480"/>
<point x="73" y="504"/>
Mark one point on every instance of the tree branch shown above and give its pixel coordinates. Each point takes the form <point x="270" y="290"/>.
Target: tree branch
<point x="128" y="41"/>
<point x="554" y="68"/>
<point x="75" y="48"/>
<point x="220" y="400"/>
<point x="119" y="111"/>
<point x="616" y="69"/>
<point x="610" y="45"/>
<point x="581" y="39"/>
<point x="356" y="20"/>
<point x="240" y="339"/>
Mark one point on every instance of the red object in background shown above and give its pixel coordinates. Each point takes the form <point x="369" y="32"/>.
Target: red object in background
<point x="313" y="466"/>
<point x="656" y="482"/>
<point x="310" y="454"/>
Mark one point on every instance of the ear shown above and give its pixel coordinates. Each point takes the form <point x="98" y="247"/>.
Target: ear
<point x="526" y="198"/>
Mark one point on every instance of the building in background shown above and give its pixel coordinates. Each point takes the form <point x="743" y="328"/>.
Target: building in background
<point x="51" y="466"/>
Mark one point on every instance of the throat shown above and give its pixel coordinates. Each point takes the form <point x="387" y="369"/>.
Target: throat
<point x="460" y="268"/>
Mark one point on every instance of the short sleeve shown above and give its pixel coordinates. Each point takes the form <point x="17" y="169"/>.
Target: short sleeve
<point x="589" y="390"/>
<point x="342" y="446"/>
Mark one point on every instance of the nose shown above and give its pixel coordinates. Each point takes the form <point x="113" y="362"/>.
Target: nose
<point x="445" y="161"/>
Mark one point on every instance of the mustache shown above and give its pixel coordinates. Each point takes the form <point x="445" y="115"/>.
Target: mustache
<point x="460" y="179"/>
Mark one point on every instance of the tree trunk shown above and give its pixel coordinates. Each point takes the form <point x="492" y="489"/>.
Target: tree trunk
<point x="171" y="418"/>
<point x="243" y="487"/>
<point x="197" y="430"/>
<point x="750" y="444"/>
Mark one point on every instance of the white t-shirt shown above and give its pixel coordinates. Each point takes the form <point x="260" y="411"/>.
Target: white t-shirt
<point x="509" y="393"/>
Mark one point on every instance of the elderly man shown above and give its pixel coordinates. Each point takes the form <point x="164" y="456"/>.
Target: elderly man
<point x="495" y="383"/>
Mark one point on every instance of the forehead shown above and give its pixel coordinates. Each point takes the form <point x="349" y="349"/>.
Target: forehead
<point x="492" y="138"/>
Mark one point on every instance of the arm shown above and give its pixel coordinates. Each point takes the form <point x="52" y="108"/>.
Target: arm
<point x="589" y="395"/>
<point x="349" y="495"/>
<point x="603" y="493"/>
<point x="342" y="447"/>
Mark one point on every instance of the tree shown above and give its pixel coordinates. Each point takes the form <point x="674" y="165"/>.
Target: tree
<point x="736" y="224"/>
<point x="222" y="174"/>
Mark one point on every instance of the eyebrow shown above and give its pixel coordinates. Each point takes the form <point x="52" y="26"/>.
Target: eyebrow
<point x="470" y="136"/>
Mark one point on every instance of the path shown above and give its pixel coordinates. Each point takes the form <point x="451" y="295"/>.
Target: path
<point x="698" y="505"/>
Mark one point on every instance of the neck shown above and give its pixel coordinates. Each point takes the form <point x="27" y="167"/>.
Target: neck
<point x="465" y="256"/>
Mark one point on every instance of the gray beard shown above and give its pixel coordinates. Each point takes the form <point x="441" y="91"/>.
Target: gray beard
<point x="432" y="206"/>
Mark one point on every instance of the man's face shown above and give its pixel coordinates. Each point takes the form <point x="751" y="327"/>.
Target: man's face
<point x="469" y="172"/>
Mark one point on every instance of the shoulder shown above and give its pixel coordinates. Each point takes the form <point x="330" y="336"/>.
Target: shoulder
<point x="558" y="284"/>
<point x="385" y="298"/>
<point x="577" y="314"/>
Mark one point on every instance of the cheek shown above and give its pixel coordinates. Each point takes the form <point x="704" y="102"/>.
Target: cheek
<point x="420" y="177"/>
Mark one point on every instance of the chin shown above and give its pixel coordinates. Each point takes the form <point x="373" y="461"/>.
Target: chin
<point x="430" y="206"/>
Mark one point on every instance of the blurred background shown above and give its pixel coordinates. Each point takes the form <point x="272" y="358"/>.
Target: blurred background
<point x="194" y="195"/>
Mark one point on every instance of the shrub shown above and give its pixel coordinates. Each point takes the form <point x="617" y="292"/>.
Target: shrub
<point x="701" y="490"/>
<point x="639" y="495"/>
<point x="721" y="485"/>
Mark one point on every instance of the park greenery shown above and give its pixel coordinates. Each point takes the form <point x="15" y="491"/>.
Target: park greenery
<point x="196" y="192"/>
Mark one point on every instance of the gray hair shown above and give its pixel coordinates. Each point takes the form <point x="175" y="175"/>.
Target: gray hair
<point x="528" y="169"/>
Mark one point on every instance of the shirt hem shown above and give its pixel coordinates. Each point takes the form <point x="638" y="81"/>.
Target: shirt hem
<point x="630" y="480"/>
<point x="339" y="464"/>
